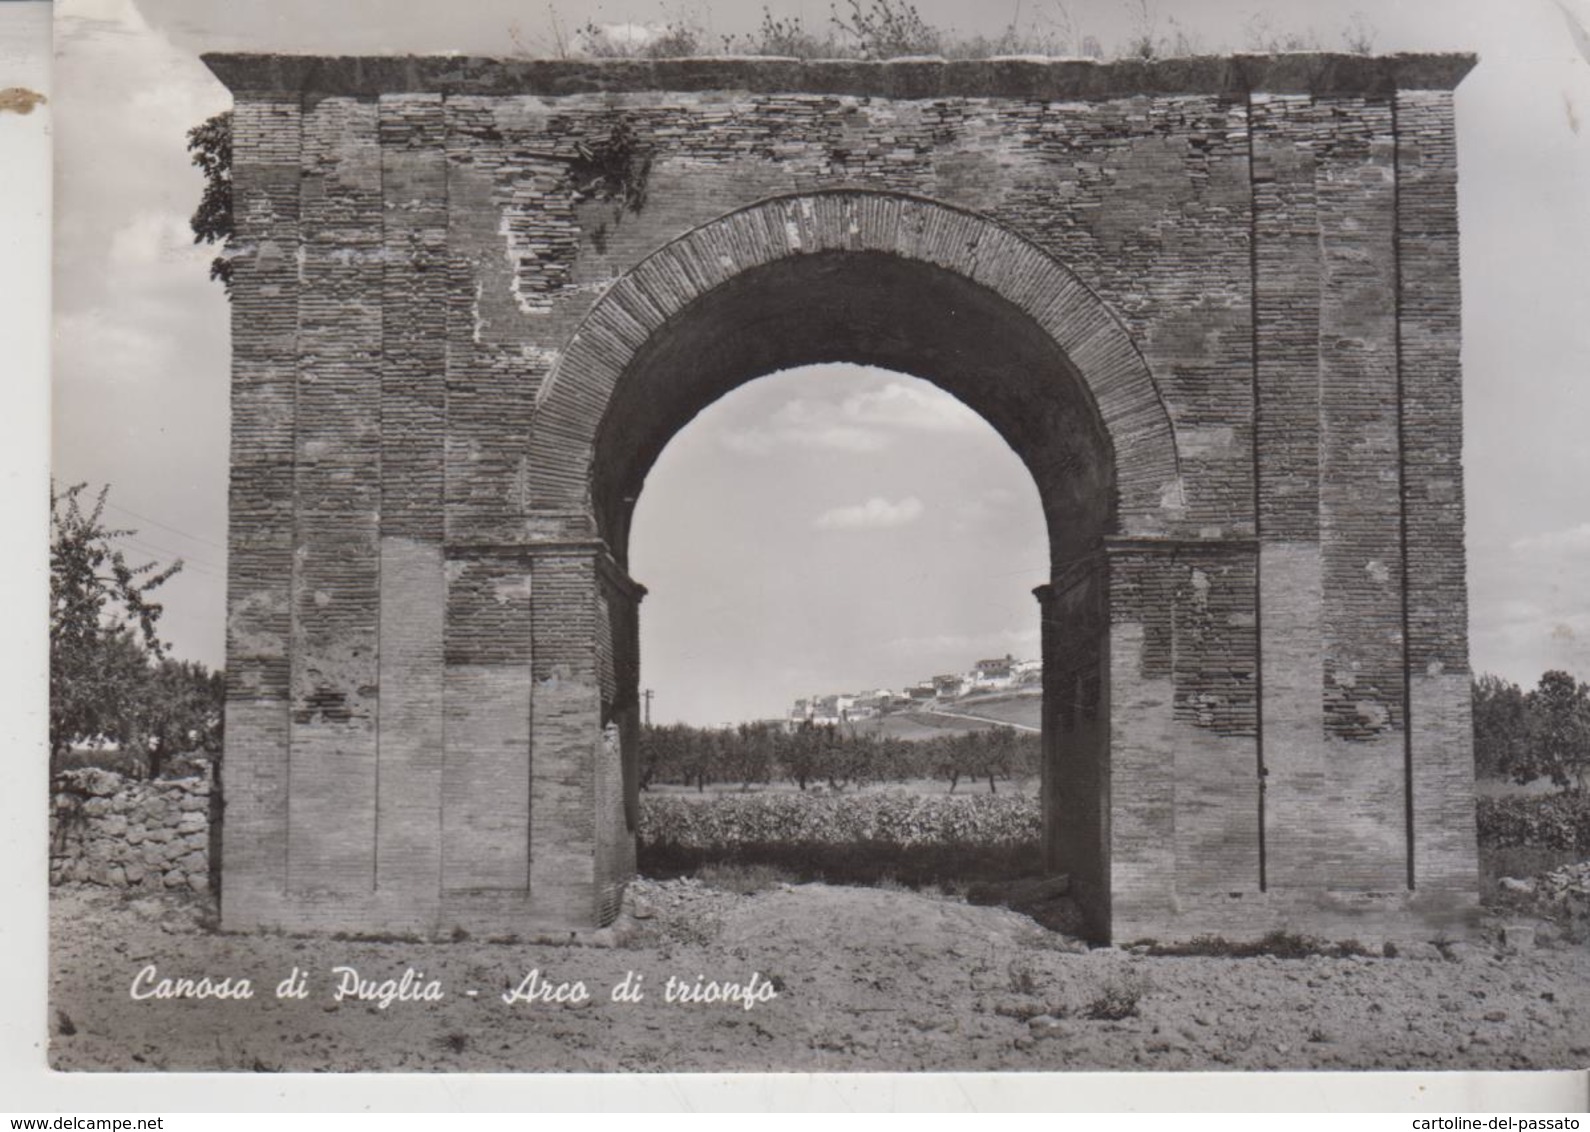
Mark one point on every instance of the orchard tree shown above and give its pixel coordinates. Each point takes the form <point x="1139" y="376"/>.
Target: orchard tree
<point x="102" y="626"/>
<point x="1501" y="726"/>
<point x="805" y="752"/>
<point x="998" y="751"/>
<point x="182" y="710"/>
<point x="748" y="756"/>
<point x="1559" y="733"/>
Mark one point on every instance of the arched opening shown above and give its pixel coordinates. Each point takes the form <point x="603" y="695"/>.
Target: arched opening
<point x="882" y="310"/>
<point x="904" y="285"/>
<point x="829" y="533"/>
<point x="873" y="309"/>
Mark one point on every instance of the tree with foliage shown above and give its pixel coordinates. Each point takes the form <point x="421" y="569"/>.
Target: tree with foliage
<point x="959" y="756"/>
<point x="1559" y="733"/>
<point x="749" y="756"/>
<point x="210" y="144"/>
<point x="996" y="754"/>
<point x="1501" y="725"/>
<point x="182" y="710"/>
<point x="803" y="752"/>
<point x="102" y="625"/>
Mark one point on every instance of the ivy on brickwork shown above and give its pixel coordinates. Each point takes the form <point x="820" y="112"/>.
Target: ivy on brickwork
<point x="613" y="167"/>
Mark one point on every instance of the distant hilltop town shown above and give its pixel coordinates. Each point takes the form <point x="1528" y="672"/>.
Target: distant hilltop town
<point x="999" y="674"/>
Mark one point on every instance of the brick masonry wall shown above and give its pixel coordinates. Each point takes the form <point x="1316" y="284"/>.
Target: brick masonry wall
<point x="1436" y="619"/>
<point x="1287" y="274"/>
<point x="1329" y="500"/>
<point x="617" y="783"/>
<point x="1184" y="782"/>
<point x="331" y="803"/>
<point x="568" y="740"/>
<point x="450" y="273"/>
<point x="130" y="833"/>
<point x="412" y="572"/>
<point x="1076" y="724"/>
<point x="265" y="160"/>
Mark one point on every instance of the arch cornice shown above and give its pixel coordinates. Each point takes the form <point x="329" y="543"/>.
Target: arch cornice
<point x="573" y="401"/>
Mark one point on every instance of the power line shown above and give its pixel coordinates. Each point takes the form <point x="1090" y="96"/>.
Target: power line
<point x="143" y="547"/>
<point x="165" y="526"/>
<point x="148" y="546"/>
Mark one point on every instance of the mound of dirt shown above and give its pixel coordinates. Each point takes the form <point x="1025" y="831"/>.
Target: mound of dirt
<point x="1046" y="899"/>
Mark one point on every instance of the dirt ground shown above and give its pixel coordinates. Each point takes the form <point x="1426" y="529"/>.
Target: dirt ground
<point x="846" y="979"/>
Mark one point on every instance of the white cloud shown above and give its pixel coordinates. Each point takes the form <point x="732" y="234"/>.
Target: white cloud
<point x="1569" y="540"/>
<point x="1021" y="643"/>
<point x="875" y="514"/>
<point x="152" y="238"/>
<point x="868" y="421"/>
<point x="125" y="99"/>
<point x="602" y="39"/>
<point x="749" y="441"/>
<point x="123" y="15"/>
<point x="843" y="438"/>
<point x="995" y="501"/>
<point x="93" y="347"/>
<point x="1519" y="610"/>
<point x="1522" y="649"/>
<point x="820" y="424"/>
<point x="1528" y="611"/>
<point x="911" y="407"/>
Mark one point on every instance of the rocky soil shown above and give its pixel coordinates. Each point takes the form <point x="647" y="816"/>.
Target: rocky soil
<point x="839" y="979"/>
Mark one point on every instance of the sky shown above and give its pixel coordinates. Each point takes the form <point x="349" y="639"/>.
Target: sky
<point x="831" y="529"/>
<point x="836" y="528"/>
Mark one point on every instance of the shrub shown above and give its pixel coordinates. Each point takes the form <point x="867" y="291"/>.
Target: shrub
<point x="1280" y="944"/>
<point x="678" y="38"/>
<point x="1118" y="999"/>
<point x="786" y="37"/>
<point x="887" y="29"/>
<point x="1546" y="821"/>
<point x="843" y="839"/>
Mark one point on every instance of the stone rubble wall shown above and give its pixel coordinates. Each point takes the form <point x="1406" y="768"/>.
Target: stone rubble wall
<point x="122" y="832"/>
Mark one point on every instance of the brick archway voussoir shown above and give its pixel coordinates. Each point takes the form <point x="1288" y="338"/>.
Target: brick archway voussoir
<point x="577" y="394"/>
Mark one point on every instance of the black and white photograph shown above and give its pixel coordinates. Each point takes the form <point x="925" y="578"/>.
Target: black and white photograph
<point x="1036" y="537"/>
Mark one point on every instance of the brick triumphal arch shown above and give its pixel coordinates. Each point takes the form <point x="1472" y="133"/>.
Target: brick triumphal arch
<point x="1212" y="304"/>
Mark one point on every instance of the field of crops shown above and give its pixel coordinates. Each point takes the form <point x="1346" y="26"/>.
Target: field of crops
<point x="839" y="756"/>
<point x="866" y="837"/>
